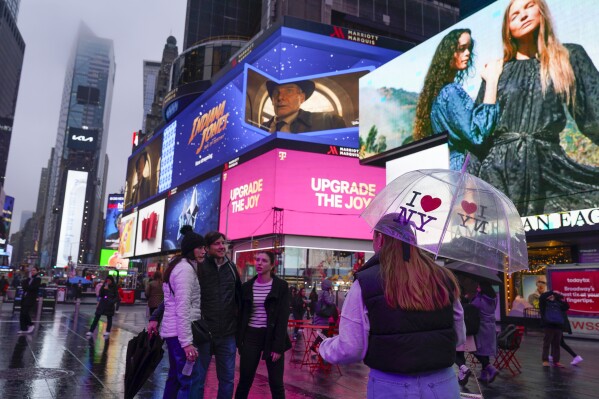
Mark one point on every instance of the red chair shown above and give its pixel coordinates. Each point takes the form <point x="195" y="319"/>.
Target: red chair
<point x="506" y="352"/>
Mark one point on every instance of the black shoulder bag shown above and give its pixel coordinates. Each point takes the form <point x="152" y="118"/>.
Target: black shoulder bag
<point x="199" y="327"/>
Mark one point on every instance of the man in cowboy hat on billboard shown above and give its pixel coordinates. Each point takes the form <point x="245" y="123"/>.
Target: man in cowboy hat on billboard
<point x="289" y="117"/>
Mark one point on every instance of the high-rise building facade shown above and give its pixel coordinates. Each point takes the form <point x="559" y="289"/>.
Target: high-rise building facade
<point x="151" y="70"/>
<point x="154" y="117"/>
<point x="79" y="162"/>
<point x="12" y="49"/>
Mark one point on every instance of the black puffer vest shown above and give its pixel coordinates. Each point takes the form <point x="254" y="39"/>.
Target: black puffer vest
<point x="404" y="341"/>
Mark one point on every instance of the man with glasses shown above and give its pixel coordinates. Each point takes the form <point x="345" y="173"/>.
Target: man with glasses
<point x="287" y="99"/>
<point x="220" y="287"/>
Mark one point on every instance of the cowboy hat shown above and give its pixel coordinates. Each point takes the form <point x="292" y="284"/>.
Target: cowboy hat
<point x="307" y="86"/>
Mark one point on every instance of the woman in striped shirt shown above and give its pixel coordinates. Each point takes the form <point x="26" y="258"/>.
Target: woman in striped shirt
<point x="262" y="331"/>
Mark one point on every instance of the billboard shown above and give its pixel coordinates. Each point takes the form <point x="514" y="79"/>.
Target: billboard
<point x="6" y="220"/>
<point x="534" y="139"/>
<point x="72" y="218"/>
<point x="321" y="195"/>
<point x="150" y="226"/>
<point x="235" y="114"/>
<point x="197" y="206"/>
<point x="112" y="226"/>
<point x="82" y="139"/>
<point x="143" y="170"/>
<point x="112" y="258"/>
<point x="127" y="239"/>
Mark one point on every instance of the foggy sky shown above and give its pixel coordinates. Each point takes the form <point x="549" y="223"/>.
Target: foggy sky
<point x="138" y="29"/>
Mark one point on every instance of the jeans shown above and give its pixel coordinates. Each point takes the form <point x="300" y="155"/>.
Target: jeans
<point x="251" y="353"/>
<point x="552" y="338"/>
<point x="97" y="319"/>
<point x="440" y="384"/>
<point x="224" y="353"/>
<point x="179" y="386"/>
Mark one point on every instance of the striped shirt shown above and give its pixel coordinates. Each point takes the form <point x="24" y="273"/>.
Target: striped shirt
<point x="258" y="317"/>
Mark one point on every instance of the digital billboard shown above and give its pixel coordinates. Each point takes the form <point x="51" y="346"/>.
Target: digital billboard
<point x="82" y="139"/>
<point x="197" y="206"/>
<point x="237" y="112"/>
<point x="6" y="220"/>
<point x="112" y="226"/>
<point x="321" y="195"/>
<point x="143" y="171"/>
<point x="530" y="125"/>
<point x="72" y="218"/>
<point x="127" y="239"/>
<point x="150" y="225"/>
<point x="112" y="258"/>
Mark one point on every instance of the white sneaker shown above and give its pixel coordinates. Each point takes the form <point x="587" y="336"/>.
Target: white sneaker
<point x="550" y="358"/>
<point x="576" y="360"/>
<point x="88" y="334"/>
<point x="30" y="329"/>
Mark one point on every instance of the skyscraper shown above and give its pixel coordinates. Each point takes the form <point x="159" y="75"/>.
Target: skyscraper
<point x="79" y="162"/>
<point x="151" y="69"/>
<point x="12" y="49"/>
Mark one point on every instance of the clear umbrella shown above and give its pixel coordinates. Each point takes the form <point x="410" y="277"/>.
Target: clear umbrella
<point x="454" y="215"/>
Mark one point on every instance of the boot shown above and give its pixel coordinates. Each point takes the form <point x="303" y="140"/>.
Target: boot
<point x="463" y="375"/>
<point x="491" y="373"/>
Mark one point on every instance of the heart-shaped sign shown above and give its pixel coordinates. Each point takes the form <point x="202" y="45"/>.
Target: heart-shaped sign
<point x="429" y="203"/>
<point x="469" y="207"/>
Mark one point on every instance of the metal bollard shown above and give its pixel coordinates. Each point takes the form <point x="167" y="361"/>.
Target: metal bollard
<point x="76" y="316"/>
<point x="40" y="303"/>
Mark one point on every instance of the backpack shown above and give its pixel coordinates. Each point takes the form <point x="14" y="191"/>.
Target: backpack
<point x="471" y="318"/>
<point x="506" y="338"/>
<point x="553" y="313"/>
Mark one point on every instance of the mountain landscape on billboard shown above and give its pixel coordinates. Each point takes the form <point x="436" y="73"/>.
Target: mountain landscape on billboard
<point x="379" y="114"/>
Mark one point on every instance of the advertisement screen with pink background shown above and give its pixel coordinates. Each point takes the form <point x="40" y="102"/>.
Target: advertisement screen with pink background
<point x="321" y="195"/>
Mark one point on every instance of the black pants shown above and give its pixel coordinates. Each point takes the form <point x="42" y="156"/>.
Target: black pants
<point x="484" y="360"/>
<point x="97" y="319"/>
<point x="25" y="316"/>
<point x="564" y="345"/>
<point x="552" y="339"/>
<point x="460" y="358"/>
<point x="248" y="363"/>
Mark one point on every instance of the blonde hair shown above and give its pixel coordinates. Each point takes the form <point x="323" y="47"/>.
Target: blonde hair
<point x="418" y="284"/>
<point x="553" y="56"/>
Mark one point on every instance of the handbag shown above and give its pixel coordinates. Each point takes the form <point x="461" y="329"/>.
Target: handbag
<point x="554" y="313"/>
<point x="199" y="328"/>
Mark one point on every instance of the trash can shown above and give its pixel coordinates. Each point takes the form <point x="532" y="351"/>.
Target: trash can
<point x="49" y="299"/>
<point x="128" y="297"/>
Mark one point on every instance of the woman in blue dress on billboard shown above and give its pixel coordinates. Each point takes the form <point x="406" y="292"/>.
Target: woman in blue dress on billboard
<point x="543" y="82"/>
<point x="444" y="106"/>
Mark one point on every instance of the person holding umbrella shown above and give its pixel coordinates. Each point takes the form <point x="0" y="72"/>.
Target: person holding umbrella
<point x="403" y="317"/>
<point x="182" y="306"/>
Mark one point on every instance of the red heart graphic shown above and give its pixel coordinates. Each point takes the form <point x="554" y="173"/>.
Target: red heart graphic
<point x="429" y="203"/>
<point x="469" y="207"/>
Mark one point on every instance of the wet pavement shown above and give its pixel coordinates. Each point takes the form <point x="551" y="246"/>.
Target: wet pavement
<point x="58" y="361"/>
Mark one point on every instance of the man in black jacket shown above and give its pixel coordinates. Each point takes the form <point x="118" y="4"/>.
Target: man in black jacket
<point x="220" y="295"/>
<point x="30" y="289"/>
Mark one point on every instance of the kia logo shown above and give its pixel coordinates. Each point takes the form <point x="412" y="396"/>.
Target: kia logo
<point x="82" y="138"/>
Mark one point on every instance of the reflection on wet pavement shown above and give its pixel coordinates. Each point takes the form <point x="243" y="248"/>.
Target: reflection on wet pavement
<point x="58" y="361"/>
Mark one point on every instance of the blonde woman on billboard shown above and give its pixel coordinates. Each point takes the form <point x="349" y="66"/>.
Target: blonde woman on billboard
<point x="444" y="106"/>
<point x="543" y="82"/>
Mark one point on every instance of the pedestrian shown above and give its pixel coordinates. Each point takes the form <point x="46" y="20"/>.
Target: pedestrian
<point x="567" y="329"/>
<point x="299" y="304"/>
<point x="552" y="319"/>
<point x="221" y="296"/>
<point x="322" y="317"/>
<point x="105" y="307"/>
<point x="154" y="292"/>
<point x="472" y="321"/>
<point x="402" y="317"/>
<point x="30" y="287"/>
<point x="181" y="307"/>
<point x="486" y="338"/>
<point x="262" y="330"/>
<point x="313" y="297"/>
